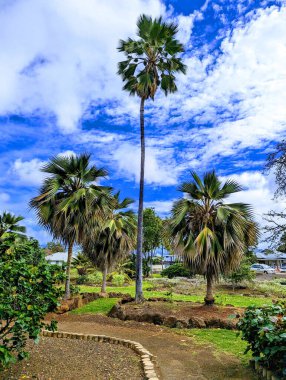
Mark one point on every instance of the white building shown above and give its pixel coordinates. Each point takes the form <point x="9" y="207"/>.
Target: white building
<point x="272" y="259"/>
<point x="59" y="258"/>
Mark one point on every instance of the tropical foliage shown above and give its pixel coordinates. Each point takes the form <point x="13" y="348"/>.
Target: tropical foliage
<point x="264" y="329"/>
<point x="69" y="198"/>
<point x="53" y="247"/>
<point x="152" y="62"/>
<point x="9" y="223"/>
<point x="176" y="270"/>
<point x="28" y="292"/>
<point x="108" y="242"/>
<point x="210" y="235"/>
<point x="152" y="231"/>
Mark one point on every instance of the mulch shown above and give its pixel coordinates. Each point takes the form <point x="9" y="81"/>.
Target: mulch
<point x="65" y="359"/>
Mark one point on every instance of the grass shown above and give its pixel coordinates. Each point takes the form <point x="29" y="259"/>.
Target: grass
<point x="223" y="340"/>
<point x="99" y="306"/>
<point x="221" y="298"/>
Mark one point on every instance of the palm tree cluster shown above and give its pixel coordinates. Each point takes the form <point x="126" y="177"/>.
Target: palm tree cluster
<point x="76" y="209"/>
<point x="210" y="235"/>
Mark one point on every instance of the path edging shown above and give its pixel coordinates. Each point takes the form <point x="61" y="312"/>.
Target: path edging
<point x="145" y="355"/>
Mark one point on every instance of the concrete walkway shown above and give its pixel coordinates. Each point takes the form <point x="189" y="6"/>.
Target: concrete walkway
<point x="177" y="357"/>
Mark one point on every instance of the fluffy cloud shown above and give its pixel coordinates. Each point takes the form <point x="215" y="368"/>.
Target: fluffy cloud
<point x="28" y="172"/>
<point x="159" y="167"/>
<point x="163" y="208"/>
<point x="258" y="192"/>
<point x="62" y="55"/>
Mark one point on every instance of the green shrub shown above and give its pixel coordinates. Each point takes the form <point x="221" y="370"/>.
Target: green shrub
<point x="265" y="331"/>
<point x="118" y="279"/>
<point x="176" y="270"/>
<point x="243" y="273"/>
<point x="27" y="293"/>
<point x="74" y="289"/>
<point x="81" y="280"/>
<point x="95" y="278"/>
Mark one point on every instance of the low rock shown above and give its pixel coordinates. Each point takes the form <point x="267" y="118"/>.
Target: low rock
<point x="197" y="322"/>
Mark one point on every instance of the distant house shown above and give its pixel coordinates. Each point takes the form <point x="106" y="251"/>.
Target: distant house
<point x="273" y="259"/>
<point x="59" y="258"/>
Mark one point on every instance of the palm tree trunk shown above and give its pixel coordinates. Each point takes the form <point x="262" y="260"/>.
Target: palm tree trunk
<point x="139" y="274"/>
<point x="104" y="277"/>
<point x="68" y="271"/>
<point x="209" y="299"/>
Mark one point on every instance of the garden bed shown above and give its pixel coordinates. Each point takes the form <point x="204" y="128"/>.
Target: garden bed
<point x="61" y="359"/>
<point x="178" y="314"/>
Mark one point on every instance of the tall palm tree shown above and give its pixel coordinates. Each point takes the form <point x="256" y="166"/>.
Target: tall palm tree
<point x="9" y="223"/>
<point x="211" y="236"/>
<point x="69" y="198"/>
<point x="108" y="242"/>
<point x="151" y="63"/>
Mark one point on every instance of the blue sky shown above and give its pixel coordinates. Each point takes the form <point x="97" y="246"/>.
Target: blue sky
<point x="59" y="93"/>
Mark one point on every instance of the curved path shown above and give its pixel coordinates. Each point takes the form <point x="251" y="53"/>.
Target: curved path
<point x="178" y="357"/>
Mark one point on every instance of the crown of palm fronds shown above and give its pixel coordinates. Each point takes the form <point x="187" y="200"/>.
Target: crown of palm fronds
<point x="108" y="242"/>
<point x="70" y="196"/>
<point x="10" y="223"/>
<point x="153" y="59"/>
<point x="209" y="234"/>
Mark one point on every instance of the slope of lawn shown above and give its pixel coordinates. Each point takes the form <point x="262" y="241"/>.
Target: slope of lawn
<point x="99" y="306"/>
<point x="223" y="340"/>
<point x="221" y="298"/>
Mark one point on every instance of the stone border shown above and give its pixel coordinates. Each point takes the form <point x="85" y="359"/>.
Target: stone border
<point x="145" y="355"/>
<point x="263" y="372"/>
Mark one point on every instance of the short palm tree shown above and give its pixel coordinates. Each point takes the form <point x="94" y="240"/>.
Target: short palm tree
<point x="109" y="242"/>
<point x="69" y="198"/>
<point x="9" y="223"/>
<point x="210" y="235"/>
<point x="82" y="264"/>
<point x="151" y="63"/>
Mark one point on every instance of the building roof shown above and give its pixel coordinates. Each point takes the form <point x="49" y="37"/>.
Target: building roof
<point x="271" y="256"/>
<point x="60" y="256"/>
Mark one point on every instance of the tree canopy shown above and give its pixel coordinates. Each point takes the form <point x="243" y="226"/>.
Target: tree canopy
<point x="211" y="235"/>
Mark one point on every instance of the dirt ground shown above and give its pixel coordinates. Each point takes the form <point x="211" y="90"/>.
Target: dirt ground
<point x="177" y="357"/>
<point x="66" y="359"/>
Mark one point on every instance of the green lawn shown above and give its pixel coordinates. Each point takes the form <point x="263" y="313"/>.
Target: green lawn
<point x="99" y="306"/>
<point x="221" y="299"/>
<point x="223" y="340"/>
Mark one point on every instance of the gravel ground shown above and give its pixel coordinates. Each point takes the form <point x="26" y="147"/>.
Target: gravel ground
<point x="65" y="359"/>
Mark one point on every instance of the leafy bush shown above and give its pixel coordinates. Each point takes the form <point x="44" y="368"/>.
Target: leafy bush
<point x="131" y="266"/>
<point x="243" y="273"/>
<point x="82" y="279"/>
<point x="118" y="279"/>
<point x="27" y="293"/>
<point x="157" y="260"/>
<point x="265" y="331"/>
<point x="74" y="289"/>
<point x="95" y="278"/>
<point x="176" y="270"/>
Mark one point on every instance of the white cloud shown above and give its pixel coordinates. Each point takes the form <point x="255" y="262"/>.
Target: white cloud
<point x="28" y="172"/>
<point x="62" y="55"/>
<point x="4" y="197"/>
<point x="160" y="169"/>
<point x="258" y="192"/>
<point x="162" y="208"/>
